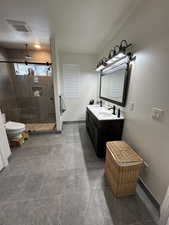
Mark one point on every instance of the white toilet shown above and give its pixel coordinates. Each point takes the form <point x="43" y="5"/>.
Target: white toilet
<point x="13" y="129"/>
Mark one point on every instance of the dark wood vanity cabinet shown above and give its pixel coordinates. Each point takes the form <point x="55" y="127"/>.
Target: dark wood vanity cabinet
<point x="101" y="131"/>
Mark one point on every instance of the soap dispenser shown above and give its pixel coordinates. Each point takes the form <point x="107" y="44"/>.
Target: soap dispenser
<point x="101" y="103"/>
<point x="118" y="113"/>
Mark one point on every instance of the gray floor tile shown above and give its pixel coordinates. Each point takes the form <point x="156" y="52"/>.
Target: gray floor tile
<point x="21" y="166"/>
<point x="32" y="186"/>
<point x="146" y="223"/>
<point x="14" y="171"/>
<point x="12" y="213"/>
<point x="94" y="213"/>
<point x="11" y="188"/>
<point x="27" y="152"/>
<point x="56" y="179"/>
<point x="37" y="140"/>
<point x="121" y="211"/>
<point x="35" y="212"/>
<point x="52" y="186"/>
<point x="73" y="207"/>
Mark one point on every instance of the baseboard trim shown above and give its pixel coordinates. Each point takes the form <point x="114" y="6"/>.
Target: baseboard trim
<point x="149" y="194"/>
<point x="72" y="122"/>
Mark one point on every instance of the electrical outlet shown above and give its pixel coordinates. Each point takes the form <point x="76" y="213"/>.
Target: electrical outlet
<point x="157" y="113"/>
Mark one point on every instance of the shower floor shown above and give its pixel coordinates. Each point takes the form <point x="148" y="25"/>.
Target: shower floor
<point x="40" y="127"/>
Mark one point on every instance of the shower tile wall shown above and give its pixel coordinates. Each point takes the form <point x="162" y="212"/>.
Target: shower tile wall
<point x="42" y="56"/>
<point x="8" y="103"/>
<point x="27" y="107"/>
<point x="35" y="109"/>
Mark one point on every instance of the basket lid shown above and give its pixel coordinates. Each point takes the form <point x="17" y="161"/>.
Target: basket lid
<point x="123" y="154"/>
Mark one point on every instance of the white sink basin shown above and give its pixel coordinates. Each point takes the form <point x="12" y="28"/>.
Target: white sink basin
<point x="105" y="114"/>
<point x="102" y="113"/>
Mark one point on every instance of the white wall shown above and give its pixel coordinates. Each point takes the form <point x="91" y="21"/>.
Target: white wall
<point x="76" y="107"/>
<point x="148" y="30"/>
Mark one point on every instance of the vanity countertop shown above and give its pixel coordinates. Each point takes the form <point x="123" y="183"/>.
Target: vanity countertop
<point x="102" y="113"/>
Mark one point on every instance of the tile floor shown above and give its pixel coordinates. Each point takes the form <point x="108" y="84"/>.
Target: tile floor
<point x="56" y="179"/>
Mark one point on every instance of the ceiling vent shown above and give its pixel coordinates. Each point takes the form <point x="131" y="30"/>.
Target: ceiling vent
<point x="19" y="26"/>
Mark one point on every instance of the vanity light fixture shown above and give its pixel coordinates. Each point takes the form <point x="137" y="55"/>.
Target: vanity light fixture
<point x="122" y="50"/>
<point x="119" y="52"/>
<point x="112" y="55"/>
<point x="102" y="64"/>
<point x="99" y="67"/>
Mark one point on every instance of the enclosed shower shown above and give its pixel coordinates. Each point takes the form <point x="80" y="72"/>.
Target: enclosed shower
<point x="26" y="89"/>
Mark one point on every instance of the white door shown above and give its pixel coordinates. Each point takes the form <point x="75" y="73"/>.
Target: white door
<point x="5" y="151"/>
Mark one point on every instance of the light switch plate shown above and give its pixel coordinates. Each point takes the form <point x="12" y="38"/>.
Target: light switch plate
<point x="157" y="113"/>
<point x="131" y="106"/>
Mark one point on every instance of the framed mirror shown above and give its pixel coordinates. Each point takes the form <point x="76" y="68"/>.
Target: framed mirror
<point x="114" y="83"/>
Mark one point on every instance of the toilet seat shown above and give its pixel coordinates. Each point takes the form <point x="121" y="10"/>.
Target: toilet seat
<point x="14" y="126"/>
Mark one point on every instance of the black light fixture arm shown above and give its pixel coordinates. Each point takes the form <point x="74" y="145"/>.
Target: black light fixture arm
<point x="104" y="59"/>
<point x="131" y="56"/>
<point x="117" y="46"/>
<point x="124" y="44"/>
<point x="113" y="51"/>
<point x="99" y="63"/>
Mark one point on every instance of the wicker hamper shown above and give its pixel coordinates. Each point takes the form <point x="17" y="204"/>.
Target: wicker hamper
<point x="122" y="168"/>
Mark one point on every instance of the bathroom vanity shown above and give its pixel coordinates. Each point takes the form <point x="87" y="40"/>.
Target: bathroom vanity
<point x="102" y="126"/>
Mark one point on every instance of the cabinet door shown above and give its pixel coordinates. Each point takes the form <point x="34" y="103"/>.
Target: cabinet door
<point x="87" y="119"/>
<point x="92" y="129"/>
<point x="95" y="136"/>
